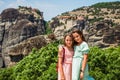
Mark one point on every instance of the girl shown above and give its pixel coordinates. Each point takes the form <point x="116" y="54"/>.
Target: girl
<point x="79" y="64"/>
<point x="65" y="55"/>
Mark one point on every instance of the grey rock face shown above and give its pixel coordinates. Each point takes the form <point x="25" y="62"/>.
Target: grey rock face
<point x="100" y="34"/>
<point x="15" y="28"/>
<point x="9" y="14"/>
<point x="104" y="36"/>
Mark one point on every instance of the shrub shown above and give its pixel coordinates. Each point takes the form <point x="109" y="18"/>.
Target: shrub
<point x="52" y="36"/>
<point x="41" y="64"/>
<point x="104" y="64"/>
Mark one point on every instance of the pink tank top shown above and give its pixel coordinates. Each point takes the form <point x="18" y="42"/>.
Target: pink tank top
<point x="68" y="55"/>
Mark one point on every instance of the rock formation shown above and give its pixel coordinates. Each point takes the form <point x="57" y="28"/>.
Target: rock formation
<point x="102" y="23"/>
<point x="17" y="27"/>
<point x="103" y="36"/>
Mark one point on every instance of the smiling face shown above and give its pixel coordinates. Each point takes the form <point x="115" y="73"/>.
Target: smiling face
<point x="68" y="41"/>
<point x="77" y="37"/>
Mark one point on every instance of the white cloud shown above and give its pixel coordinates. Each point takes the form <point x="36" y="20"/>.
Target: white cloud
<point x="20" y="1"/>
<point x="17" y="3"/>
<point x="44" y="5"/>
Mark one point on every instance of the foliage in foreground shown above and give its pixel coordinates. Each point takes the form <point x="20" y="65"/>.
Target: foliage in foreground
<point x="105" y="64"/>
<point x="41" y="65"/>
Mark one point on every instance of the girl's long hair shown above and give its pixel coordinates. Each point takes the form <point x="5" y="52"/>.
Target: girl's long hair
<point x="80" y="33"/>
<point x="70" y="35"/>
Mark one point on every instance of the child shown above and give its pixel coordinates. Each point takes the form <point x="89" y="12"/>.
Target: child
<point x="65" y="55"/>
<point x="79" y="64"/>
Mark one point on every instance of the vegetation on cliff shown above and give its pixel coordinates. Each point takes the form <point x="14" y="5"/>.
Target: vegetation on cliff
<point x="97" y="12"/>
<point x="109" y="5"/>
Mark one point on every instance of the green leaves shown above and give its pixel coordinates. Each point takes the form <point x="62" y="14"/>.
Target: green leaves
<point x="104" y="64"/>
<point x="39" y="65"/>
<point x="109" y="5"/>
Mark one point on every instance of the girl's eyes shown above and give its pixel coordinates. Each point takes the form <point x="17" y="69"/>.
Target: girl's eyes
<point x="75" y="36"/>
<point x="68" y="40"/>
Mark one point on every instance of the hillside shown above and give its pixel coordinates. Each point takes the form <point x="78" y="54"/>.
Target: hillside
<point x="101" y="23"/>
<point x="99" y="11"/>
<point x="96" y="12"/>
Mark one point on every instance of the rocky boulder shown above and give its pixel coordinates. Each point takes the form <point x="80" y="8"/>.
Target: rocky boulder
<point x="103" y="35"/>
<point x="18" y="51"/>
<point x="100" y="34"/>
<point x="9" y="14"/>
<point x="16" y="27"/>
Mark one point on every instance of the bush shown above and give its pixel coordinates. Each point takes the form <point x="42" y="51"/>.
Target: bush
<point x="34" y="66"/>
<point x="52" y="36"/>
<point x="104" y="64"/>
<point x="5" y="74"/>
<point x="48" y="29"/>
<point x="38" y="11"/>
<point x="41" y="64"/>
<point x="109" y="5"/>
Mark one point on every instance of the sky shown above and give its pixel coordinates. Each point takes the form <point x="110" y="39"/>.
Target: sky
<point x="50" y="8"/>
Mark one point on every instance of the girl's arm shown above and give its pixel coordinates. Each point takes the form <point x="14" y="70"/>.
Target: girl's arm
<point x="84" y="62"/>
<point x="85" y="58"/>
<point x="60" y="64"/>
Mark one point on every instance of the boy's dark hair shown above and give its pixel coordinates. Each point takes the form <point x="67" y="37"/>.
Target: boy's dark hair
<point x="80" y="33"/>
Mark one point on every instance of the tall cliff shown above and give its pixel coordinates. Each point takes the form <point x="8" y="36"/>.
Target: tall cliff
<point x="17" y="27"/>
<point x="101" y="23"/>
